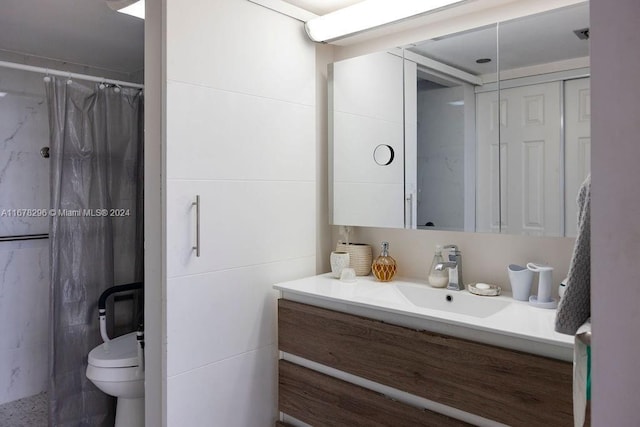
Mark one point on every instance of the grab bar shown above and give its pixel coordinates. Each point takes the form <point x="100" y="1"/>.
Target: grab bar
<point x="21" y="237"/>
<point x="102" y="304"/>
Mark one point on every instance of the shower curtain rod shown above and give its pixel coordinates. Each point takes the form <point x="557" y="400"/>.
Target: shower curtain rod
<point x="53" y="72"/>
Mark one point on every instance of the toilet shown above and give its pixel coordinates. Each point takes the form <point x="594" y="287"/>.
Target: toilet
<point x="115" y="368"/>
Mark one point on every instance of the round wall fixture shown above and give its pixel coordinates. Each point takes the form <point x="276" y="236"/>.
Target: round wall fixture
<point x="383" y="154"/>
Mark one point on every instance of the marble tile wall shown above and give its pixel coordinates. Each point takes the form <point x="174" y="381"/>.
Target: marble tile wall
<point x="24" y="265"/>
<point x="24" y="173"/>
<point x="24" y="318"/>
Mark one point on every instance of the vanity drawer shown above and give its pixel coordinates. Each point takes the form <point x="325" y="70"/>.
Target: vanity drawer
<point x="508" y="386"/>
<point x="321" y="400"/>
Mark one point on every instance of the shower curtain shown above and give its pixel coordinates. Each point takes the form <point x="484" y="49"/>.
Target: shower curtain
<point x="96" y="228"/>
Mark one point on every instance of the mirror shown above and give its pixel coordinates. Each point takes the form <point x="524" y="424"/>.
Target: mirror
<point x="461" y="159"/>
<point x="545" y="121"/>
<point x="449" y="69"/>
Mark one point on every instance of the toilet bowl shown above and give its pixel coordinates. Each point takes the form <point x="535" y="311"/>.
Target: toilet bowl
<point x="115" y="368"/>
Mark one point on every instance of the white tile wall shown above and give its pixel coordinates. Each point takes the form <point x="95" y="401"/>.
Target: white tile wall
<point x="242" y="223"/>
<point x="235" y="392"/>
<point x="24" y="318"/>
<point x="240" y="47"/>
<point x="235" y="313"/>
<point x="238" y="136"/>
<point x="241" y="134"/>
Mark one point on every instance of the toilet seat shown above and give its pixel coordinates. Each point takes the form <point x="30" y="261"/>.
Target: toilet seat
<point x="120" y="352"/>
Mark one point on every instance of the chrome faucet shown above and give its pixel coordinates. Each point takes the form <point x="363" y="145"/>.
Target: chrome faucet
<point x="455" y="268"/>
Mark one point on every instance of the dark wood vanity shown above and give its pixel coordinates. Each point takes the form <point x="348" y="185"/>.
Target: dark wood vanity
<point x="511" y="387"/>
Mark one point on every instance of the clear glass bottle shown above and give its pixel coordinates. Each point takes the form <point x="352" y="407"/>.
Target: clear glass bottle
<point x="438" y="278"/>
<point x="384" y="267"/>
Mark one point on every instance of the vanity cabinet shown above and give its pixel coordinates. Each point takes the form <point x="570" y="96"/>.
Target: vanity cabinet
<point x="511" y="387"/>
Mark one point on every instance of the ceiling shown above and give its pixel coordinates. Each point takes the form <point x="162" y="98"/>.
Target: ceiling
<point x="83" y="32"/>
<point x="537" y="39"/>
<point x="322" y="7"/>
<point x="88" y="32"/>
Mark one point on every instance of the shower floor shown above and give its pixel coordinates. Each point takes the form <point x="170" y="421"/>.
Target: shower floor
<point x="27" y="412"/>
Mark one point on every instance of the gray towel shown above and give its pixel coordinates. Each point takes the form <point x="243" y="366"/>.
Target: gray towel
<point x="575" y="306"/>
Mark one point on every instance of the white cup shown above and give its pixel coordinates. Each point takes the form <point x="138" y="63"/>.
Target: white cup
<point x="521" y="279"/>
<point x="338" y="260"/>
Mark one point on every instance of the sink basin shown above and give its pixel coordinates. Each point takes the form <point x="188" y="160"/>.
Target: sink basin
<point x="454" y="301"/>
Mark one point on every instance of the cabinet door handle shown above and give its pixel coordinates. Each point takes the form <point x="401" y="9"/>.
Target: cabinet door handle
<point x="197" y="205"/>
<point x="409" y="207"/>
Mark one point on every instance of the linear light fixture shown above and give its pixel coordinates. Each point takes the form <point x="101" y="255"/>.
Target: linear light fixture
<point x="368" y="14"/>
<point x="130" y="7"/>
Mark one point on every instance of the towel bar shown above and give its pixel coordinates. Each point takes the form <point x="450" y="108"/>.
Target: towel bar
<point x="585" y="337"/>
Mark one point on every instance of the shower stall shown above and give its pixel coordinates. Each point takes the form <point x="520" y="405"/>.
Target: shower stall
<point x="71" y="226"/>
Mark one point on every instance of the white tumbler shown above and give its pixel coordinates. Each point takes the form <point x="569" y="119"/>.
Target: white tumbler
<point x="521" y="279"/>
<point x="338" y="260"/>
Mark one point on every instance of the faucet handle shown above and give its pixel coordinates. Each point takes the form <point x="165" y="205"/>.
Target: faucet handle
<point x="454" y="254"/>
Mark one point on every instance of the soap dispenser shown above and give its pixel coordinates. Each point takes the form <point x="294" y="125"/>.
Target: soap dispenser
<point x="384" y="267"/>
<point x="438" y="278"/>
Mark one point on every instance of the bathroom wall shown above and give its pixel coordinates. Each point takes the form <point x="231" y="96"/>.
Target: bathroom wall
<point x="24" y="265"/>
<point x="615" y="204"/>
<point x="240" y="132"/>
<point x="485" y="256"/>
<point x="154" y="273"/>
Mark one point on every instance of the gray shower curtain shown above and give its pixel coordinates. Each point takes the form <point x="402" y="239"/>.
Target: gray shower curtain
<point x="96" y="238"/>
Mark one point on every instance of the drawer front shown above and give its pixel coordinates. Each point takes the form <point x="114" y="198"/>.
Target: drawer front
<point x="511" y="387"/>
<point x="321" y="400"/>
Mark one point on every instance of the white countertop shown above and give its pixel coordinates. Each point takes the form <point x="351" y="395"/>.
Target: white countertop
<point x="511" y="324"/>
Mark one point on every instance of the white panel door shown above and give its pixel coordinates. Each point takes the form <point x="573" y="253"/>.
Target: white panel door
<point x="530" y="141"/>
<point x="577" y="104"/>
<point x="519" y="187"/>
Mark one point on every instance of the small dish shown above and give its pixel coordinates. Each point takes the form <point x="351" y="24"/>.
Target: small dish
<point x="484" y="289"/>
